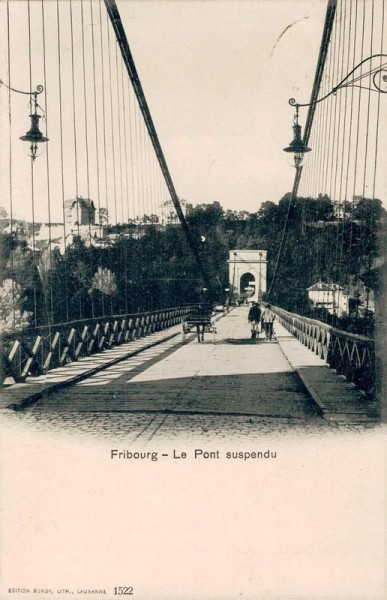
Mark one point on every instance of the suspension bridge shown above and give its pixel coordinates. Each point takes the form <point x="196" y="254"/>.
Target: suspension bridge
<point x="107" y="262"/>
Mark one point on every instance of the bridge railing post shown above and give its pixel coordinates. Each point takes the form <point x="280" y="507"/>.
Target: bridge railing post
<point x="349" y="354"/>
<point x="36" y="351"/>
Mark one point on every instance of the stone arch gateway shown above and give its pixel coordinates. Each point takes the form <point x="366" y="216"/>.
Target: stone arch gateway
<point x="248" y="266"/>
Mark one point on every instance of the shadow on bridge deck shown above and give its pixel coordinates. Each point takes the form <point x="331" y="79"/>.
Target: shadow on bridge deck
<point x="235" y="386"/>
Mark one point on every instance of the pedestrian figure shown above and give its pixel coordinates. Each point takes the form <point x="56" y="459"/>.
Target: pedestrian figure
<point x="268" y="319"/>
<point x="254" y="318"/>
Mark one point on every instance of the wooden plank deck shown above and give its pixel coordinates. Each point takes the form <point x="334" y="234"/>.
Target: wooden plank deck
<point x="251" y="383"/>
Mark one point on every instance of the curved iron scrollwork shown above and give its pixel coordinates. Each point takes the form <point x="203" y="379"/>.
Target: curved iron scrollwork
<point x="39" y="89"/>
<point x="383" y="80"/>
<point x="376" y="74"/>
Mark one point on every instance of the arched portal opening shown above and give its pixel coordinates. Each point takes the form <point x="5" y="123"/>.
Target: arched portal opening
<point x="246" y="281"/>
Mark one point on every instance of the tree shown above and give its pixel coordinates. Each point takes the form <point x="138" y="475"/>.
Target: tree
<point x="12" y="317"/>
<point x="150" y="219"/>
<point x="103" y="216"/>
<point x="104" y="281"/>
<point x="368" y="210"/>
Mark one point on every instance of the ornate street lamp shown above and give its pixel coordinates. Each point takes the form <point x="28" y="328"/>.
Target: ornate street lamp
<point x="33" y="137"/>
<point x="297" y="146"/>
<point x="378" y="83"/>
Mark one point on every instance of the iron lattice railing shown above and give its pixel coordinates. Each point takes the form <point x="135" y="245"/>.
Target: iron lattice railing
<point x="34" y="351"/>
<point x="350" y="355"/>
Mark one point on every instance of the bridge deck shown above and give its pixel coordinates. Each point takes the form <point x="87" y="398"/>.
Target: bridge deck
<point x="235" y="386"/>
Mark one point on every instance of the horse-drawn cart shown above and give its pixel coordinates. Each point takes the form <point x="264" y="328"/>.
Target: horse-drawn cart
<point x="199" y="319"/>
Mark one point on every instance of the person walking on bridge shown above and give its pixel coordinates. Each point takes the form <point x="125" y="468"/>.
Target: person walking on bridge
<point x="268" y="319"/>
<point x="254" y="318"/>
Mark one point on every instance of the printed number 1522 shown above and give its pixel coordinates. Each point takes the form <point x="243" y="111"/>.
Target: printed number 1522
<point x="123" y="591"/>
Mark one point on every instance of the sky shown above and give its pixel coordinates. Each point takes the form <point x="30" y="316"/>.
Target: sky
<point x="217" y="75"/>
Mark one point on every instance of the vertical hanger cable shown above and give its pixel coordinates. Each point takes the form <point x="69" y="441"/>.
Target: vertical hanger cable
<point x="10" y="181"/>
<point x="35" y="317"/>
<point x="50" y="265"/>
<point x="74" y="115"/>
<point x="58" y="21"/>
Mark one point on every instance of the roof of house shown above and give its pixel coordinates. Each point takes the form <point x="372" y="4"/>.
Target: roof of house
<point x="321" y="286"/>
<point x="84" y="202"/>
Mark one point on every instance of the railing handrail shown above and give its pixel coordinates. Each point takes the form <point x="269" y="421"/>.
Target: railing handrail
<point x="42" y="328"/>
<point x="322" y="325"/>
<point x="32" y="352"/>
<point x="350" y="354"/>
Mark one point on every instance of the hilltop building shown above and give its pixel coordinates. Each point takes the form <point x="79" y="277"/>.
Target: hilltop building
<point x="330" y="296"/>
<point x="79" y="211"/>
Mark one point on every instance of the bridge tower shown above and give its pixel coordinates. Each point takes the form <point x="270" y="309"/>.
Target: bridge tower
<point x="248" y="269"/>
